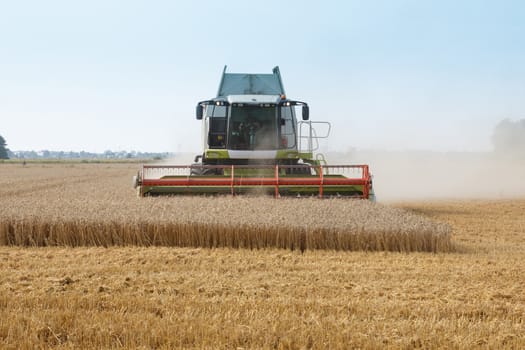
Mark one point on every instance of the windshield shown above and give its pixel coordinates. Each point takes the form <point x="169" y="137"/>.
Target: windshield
<point x="253" y="128"/>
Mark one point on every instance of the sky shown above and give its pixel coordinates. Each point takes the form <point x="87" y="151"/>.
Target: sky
<point x="391" y="75"/>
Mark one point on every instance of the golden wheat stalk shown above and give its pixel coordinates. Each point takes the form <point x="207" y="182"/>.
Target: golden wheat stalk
<point x="93" y="206"/>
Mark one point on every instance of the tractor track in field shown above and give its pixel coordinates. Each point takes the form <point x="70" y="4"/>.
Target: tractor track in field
<point x="30" y="187"/>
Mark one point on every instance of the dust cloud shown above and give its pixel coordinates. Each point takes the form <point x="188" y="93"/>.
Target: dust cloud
<point x="427" y="175"/>
<point x="180" y="159"/>
<point x="414" y="175"/>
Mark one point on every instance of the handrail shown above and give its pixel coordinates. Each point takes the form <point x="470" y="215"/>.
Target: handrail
<point x="312" y="135"/>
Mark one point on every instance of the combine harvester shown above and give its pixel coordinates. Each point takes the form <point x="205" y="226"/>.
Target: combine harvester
<point x="253" y="143"/>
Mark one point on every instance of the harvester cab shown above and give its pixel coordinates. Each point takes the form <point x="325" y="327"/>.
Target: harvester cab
<point x="252" y="141"/>
<point x="252" y="122"/>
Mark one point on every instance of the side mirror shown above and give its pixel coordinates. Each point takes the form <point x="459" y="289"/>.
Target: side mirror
<point x="306" y="112"/>
<point x="199" y="111"/>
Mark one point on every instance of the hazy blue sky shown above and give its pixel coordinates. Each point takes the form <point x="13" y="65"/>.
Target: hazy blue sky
<point x="123" y="75"/>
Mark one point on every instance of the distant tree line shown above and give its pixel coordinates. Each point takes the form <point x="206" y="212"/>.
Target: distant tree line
<point x="45" y="154"/>
<point x="3" y="149"/>
<point x="5" y="153"/>
<point x="509" y="137"/>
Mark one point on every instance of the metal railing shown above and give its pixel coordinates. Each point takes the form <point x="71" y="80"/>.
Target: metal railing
<point x="308" y="139"/>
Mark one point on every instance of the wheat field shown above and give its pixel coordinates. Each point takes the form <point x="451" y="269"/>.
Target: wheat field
<point x="94" y="205"/>
<point x="163" y="297"/>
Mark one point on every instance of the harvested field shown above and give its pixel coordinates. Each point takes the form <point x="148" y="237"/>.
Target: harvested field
<point x="223" y="298"/>
<point x="94" y="205"/>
